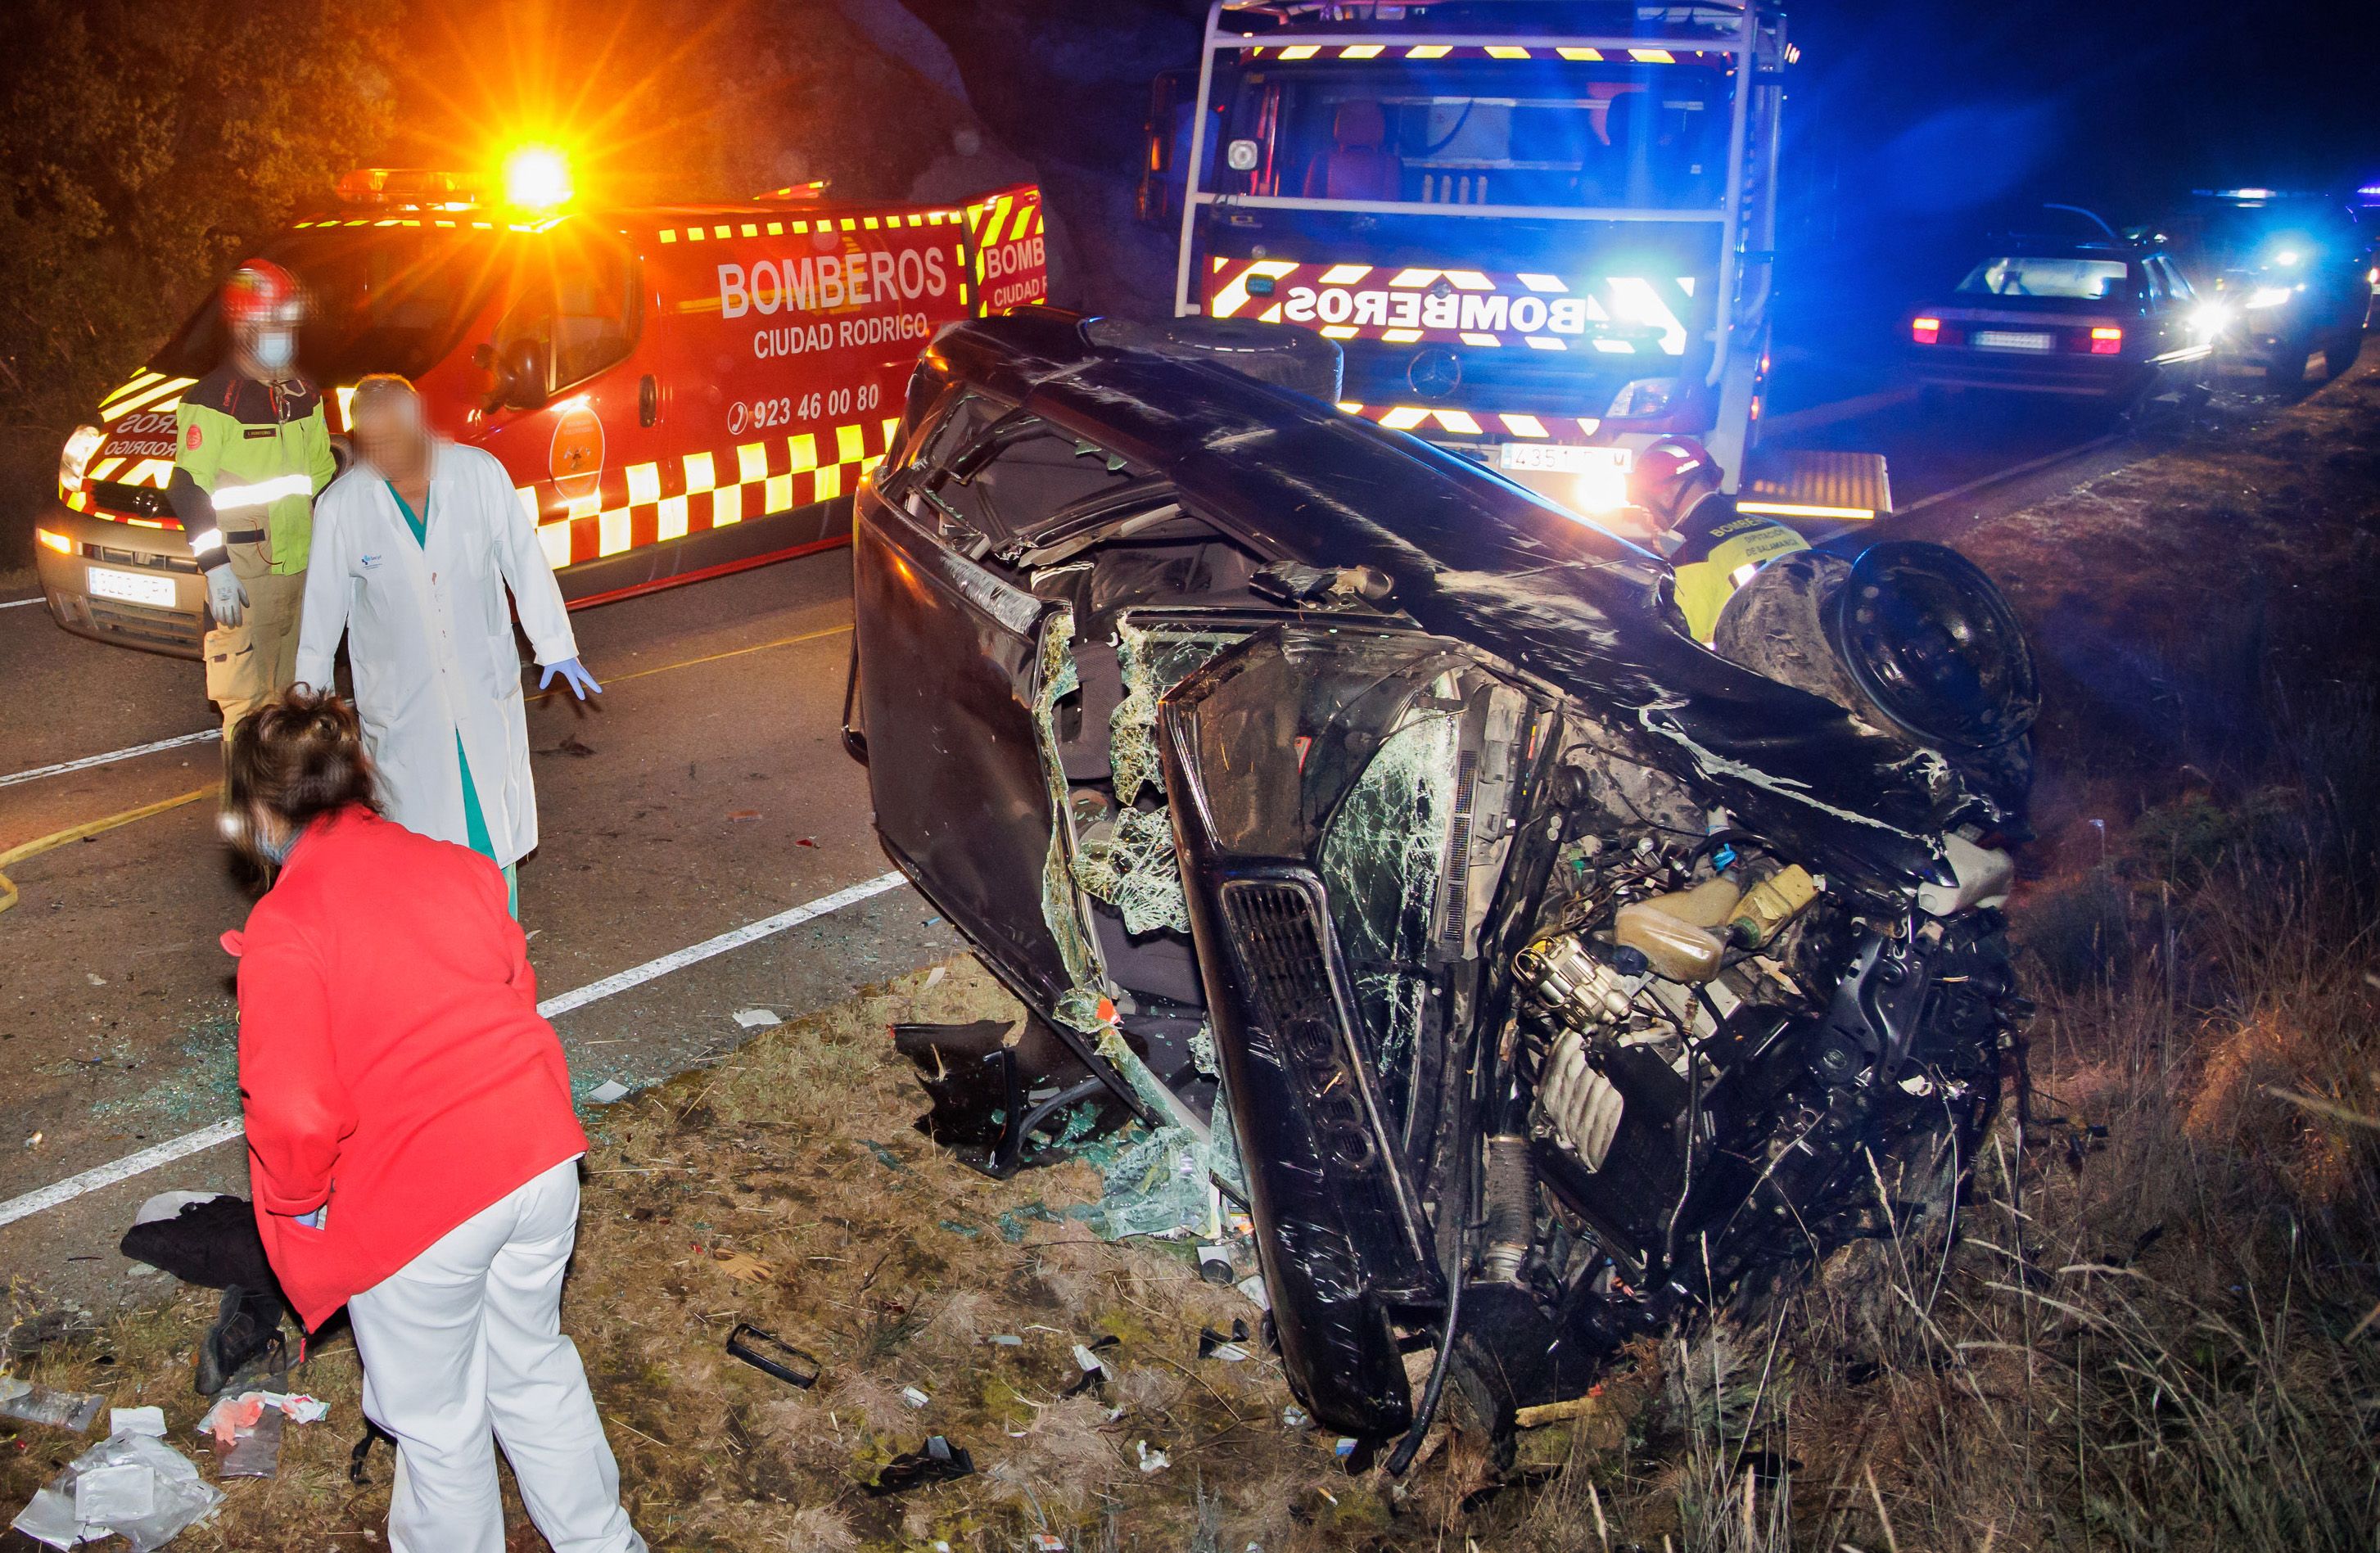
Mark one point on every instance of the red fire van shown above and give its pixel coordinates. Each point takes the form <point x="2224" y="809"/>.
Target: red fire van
<point x="677" y="392"/>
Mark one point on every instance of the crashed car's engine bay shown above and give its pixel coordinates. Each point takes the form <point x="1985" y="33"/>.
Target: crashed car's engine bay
<point x="1529" y="972"/>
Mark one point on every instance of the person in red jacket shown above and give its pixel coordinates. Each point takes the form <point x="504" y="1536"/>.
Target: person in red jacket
<point x="412" y="1148"/>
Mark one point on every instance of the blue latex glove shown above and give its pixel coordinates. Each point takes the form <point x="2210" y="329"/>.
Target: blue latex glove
<point x="574" y="674"/>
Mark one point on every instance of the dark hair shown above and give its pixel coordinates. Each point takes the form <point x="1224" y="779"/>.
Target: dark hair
<point x="298" y="757"/>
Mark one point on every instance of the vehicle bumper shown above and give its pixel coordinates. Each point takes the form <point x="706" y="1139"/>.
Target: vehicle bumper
<point x="107" y="546"/>
<point x="2075" y="376"/>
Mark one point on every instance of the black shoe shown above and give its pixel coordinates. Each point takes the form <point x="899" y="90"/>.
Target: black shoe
<point x="247" y="1328"/>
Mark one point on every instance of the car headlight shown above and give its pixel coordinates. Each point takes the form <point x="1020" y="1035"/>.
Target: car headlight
<point x="1643" y="396"/>
<point x="2269" y="296"/>
<point x="2210" y="320"/>
<point x="76" y="457"/>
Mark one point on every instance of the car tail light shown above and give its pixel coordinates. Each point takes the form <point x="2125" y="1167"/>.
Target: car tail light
<point x="2107" y="341"/>
<point x="1925" y="330"/>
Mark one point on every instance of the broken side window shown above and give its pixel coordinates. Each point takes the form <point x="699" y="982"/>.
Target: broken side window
<point x="1023" y="472"/>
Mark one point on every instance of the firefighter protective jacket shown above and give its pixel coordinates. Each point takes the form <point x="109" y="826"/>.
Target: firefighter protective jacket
<point x="249" y="458"/>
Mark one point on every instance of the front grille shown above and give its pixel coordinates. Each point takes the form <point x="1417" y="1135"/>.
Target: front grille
<point x="1278" y="931"/>
<point x="167" y="562"/>
<point x="139" y="501"/>
<point x="150" y="627"/>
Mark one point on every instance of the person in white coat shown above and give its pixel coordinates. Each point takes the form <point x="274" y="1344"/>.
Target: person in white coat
<point x="413" y="548"/>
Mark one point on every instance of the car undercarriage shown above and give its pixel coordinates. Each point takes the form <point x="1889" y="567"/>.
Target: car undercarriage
<point x="1374" y="832"/>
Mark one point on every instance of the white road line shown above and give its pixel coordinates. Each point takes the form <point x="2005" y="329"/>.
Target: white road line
<point x="150" y="1158"/>
<point x="18" y="604"/>
<point x="733" y="938"/>
<point x="63" y="767"/>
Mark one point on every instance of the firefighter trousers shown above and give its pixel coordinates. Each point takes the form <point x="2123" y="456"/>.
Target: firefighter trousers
<point x="250" y="663"/>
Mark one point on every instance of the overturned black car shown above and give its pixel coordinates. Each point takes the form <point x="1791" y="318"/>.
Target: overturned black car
<point x="1528" y="970"/>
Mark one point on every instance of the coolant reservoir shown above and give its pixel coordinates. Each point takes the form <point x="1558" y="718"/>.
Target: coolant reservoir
<point x="1678" y="932"/>
<point x="1768" y="907"/>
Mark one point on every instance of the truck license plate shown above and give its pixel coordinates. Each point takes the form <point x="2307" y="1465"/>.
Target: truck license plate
<point x="1565" y="458"/>
<point x="132" y="588"/>
<point x="2011" y="339"/>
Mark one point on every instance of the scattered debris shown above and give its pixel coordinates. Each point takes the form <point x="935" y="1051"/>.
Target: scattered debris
<point x="140" y="1488"/>
<point x="1005" y="1340"/>
<point x="743" y="814"/>
<point x="362" y="1453"/>
<point x="1295" y="1417"/>
<point x="934" y="978"/>
<point x="915" y="1396"/>
<point x="1094" y="1370"/>
<point x="1046" y="1542"/>
<point x="805" y="841"/>
<point x="574" y="744"/>
<point x="744" y="1267"/>
<point x="31" y="1403"/>
<point x="937" y="1460"/>
<point x="884" y="1155"/>
<point x="1213" y="1344"/>
<point x="251" y="1449"/>
<point x="1344" y="1447"/>
<point x="94" y="978"/>
<point x="757" y="1018"/>
<point x="772" y="1355"/>
<point x="149" y="1421"/>
<point x="608" y="1092"/>
<point x="1150" y="1461"/>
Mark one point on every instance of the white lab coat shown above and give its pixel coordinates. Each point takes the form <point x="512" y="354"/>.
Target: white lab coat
<point x="431" y="643"/>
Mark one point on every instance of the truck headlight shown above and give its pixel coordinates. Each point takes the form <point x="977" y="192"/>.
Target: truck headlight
<point x="2268" y="297"/>
<point x="1643" y="396"/>
<point x="75" y="457"/>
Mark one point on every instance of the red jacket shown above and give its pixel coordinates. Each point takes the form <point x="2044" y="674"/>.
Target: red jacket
<point x="391" y="1060"/>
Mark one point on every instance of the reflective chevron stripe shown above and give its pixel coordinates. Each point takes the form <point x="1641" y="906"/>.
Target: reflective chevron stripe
<point x="649" y="503"/>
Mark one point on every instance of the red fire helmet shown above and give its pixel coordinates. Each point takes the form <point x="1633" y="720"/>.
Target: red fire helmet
<point x="261" y="292"/>
<point x="1669" y="475"/>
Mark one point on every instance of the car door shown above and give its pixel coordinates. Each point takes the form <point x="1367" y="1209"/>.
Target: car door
<point x="957" y="672"/>
<point x="569" y="418"/>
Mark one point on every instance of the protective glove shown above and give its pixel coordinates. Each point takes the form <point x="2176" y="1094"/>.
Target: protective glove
<point x="226" y="597"/>
<point x="574" y="674"/>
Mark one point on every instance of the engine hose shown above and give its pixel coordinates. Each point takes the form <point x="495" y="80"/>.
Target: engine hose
<point x="1510" y="1219"/>
<point x="1432" y="1392"/>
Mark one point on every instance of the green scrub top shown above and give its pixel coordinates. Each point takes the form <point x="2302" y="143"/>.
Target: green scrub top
<point x="475" y="819"/>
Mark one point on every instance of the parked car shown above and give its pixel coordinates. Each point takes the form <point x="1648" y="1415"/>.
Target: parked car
<point x="2293" y="274"/>
<point x="1376" y="832"/>
<point x="2105" y="319"/>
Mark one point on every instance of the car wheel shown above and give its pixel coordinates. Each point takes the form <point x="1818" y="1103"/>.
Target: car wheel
<point x="2286" y="369"/>
<point x="2339" y="353"/>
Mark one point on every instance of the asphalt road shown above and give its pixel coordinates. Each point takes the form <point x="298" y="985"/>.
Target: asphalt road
<point x="706" y="789"/>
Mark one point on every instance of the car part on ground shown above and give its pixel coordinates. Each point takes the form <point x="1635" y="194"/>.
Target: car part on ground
<point x="1378" y="836"/>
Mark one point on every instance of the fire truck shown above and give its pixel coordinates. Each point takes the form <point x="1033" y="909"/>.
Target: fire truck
<point x="677" y="392"/>
<point x="1541" y="233"/>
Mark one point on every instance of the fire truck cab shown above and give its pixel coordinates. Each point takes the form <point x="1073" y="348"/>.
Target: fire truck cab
<point x="1541" y="232"/>
<point x="677" y="392"/>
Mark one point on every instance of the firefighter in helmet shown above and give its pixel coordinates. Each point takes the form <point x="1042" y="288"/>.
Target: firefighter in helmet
<point x="1713" y="548"/>
<point x="251" y="452"/>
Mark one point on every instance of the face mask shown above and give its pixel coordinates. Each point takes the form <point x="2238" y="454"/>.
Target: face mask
<point x="275" y="349"/>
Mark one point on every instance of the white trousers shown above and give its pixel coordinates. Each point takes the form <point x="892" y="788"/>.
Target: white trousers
<point x="466" y="1337"/>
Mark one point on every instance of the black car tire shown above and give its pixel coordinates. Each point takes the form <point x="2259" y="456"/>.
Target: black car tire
<point x="2338" y="353"/>
<point x="2287" y="366"/>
